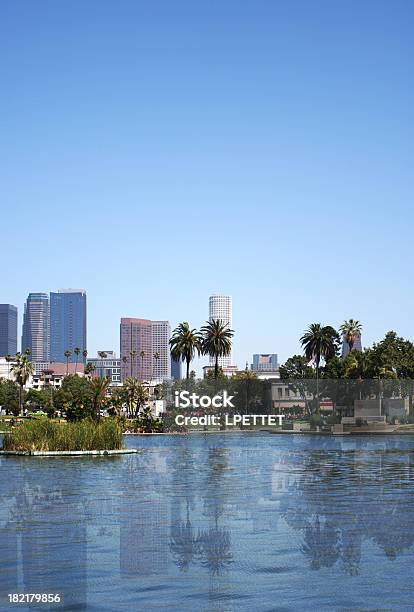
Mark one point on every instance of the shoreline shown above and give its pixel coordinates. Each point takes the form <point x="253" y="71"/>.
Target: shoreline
<point x="281" y="431"/>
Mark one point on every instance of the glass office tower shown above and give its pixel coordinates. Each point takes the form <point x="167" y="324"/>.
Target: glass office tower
<point x="67" y="324"/>
<point x="8" y="330"/>
<point x="36" y="330"/>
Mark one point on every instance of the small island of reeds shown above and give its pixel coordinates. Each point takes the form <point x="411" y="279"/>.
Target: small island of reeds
<point x="46" y="435"/>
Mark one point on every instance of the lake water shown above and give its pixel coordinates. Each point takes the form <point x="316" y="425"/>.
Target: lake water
<point x="214" y="522"/>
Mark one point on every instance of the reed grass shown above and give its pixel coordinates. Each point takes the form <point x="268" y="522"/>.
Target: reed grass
<point x="46" y="435"/>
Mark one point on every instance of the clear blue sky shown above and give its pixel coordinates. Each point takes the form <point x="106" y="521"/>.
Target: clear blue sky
<point x="155" y="152"/>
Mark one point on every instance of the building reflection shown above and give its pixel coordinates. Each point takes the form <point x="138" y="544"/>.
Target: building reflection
<point x="43" y="536"/>
<point x="144" y="520"/>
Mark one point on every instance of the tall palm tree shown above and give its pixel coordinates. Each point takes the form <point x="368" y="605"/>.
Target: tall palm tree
<point x="77" y="352"/>
<point x="319" y="342"/>
<point x="216" y="341"/>
<point x="67" y="354"/>
<point x="142" y="355"/>
<point x="99" y="387"/>
<point x="156" y="359"/>
<point x="351" y="331"/>
<point x="185" y="343"/>
<point x="133" y="355"/>
<point x="9" y="359"/>
<point x="125" y="361"/>
<point x="84" y="354"/>
<point x="22" y="369"/>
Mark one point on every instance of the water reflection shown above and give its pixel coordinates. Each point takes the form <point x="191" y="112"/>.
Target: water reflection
<point x="213" y="522"/>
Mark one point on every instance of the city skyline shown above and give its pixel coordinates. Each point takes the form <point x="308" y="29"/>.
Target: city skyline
<point x="198" y="362"/>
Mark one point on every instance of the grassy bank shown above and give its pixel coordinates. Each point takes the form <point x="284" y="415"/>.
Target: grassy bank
<point x="45" y="435"/>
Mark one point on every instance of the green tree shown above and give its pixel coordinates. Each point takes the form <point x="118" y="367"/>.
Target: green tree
<point x="133" y="355"/>
<point x="156" y="360"/>
<point x="89" y="369"/>
<point x="142" y="355"/>
<point x="217" y="338"/>
<point x="185" y="343"/>
<point x="41" y="399"/>
<point x="320" y="342"/>
<point x="75" y="398"/>
<point x="300" y="377"/>
<point x="136" y="394"/>
<point x="77" y="352"/>
<point x="99" y="390"/>
<point x="147" y="421"/>
<point x="351" y="331"/>
<point x="22" y="369"/>
<point x="67" y="354"/>
<point x="9" y="396"/>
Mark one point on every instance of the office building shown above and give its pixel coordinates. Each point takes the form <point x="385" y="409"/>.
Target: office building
<point x="161" y="334"/>
<point x="67" y="324"/>
<point x="8" y="330"/>
<point x="136" y="348"/>
<point x="107" y="365"/>
<point x="220" y="307"/>
<point x="345" y="346"/>
<point x="176" y="369"/>
<point x="140" y="341"/>
<point x="265" y="362"/>
<point x="36" y="327"/>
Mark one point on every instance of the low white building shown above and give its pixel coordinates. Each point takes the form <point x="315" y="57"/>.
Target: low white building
<point x="7" y="372"/>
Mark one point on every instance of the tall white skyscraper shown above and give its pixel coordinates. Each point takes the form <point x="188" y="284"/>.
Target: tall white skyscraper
<point x="220" y="307"/>
<point x="161" y="334"/>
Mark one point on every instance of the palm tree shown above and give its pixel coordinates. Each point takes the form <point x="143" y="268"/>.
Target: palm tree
<point x="77" y="352"/>
<point x="84" y="354"/>
<point x="102" y="354"/>
<point x="67" y="354"/>
<point x="216" y="341"/>
<point x="156" y="358"/>
<point x="125" y="361"/>
<point x="99" y="387"/>
<point x="142" y="355"/>
<point x="133" y="355"/>
<point x="136" y="395"/>
<point x="185" y="343"/>
<point x="351" y="331"/>
<point x="320" y="342"/>
<point x="22" y="369"/>
<point x="9" y="359"/>
<point x="89" y="369"/>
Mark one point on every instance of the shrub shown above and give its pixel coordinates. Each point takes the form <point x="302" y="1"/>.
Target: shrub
<point x="316" y="421"/>
<point x="46" y="435"/>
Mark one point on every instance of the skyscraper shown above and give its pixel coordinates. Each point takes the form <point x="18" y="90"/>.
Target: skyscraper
<point x="67" y="323"/>
<point x="140" y="341"/>
<point x="36" y="327"/>
<point x="136" y="348"/>
<point x="161" y="334"/>
<point x="265" y="362"/>
<point x="345" y="346"/>
<point x="8" y="330"/>
<point x="220" y="307"/>
<point x="176" y="369"/>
